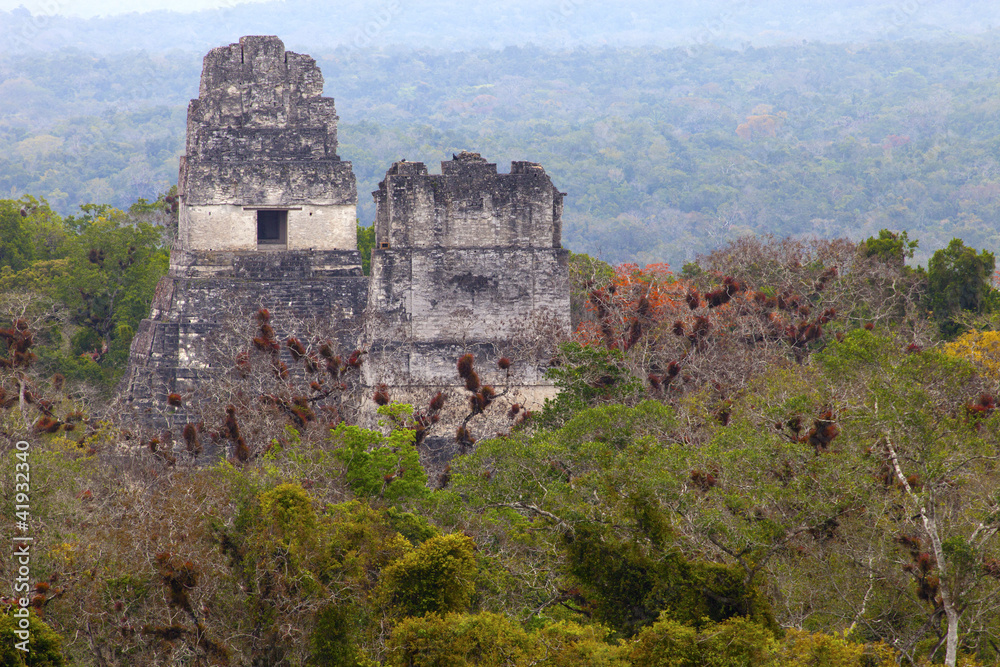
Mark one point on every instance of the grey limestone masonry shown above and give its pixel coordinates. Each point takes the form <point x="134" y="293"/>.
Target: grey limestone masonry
<point x="469" y="205"/>
<point x="468" y="260"/>
<point x="465" y="260"/>
<point x="261" y="136"/>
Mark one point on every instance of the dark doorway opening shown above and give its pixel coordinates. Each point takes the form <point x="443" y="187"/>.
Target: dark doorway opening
<point x="272" y="227"/>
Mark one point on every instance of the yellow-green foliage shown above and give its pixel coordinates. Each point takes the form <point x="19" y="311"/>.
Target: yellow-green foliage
<point x="491" y="640"/>
<point x="567" y="644"/>
<point x="44" y="644"/>
<point x="346" y="547"/>
<point x="816" y="649"/>
<point x="333" y="642"/>
<point x="457" y="640"/>
<point x="289" y="511"/>
<point x="438" y="576"/>
<point x="736" y="642"/>
<point x="739" y="642"/>
<point x="359" y="542"/>
<point x="494" y="640"/>
<point x="982" y="348"/>
<point x="362" y="543"/>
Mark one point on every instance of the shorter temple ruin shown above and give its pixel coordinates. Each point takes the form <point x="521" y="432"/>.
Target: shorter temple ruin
<point x="466" y="261"/>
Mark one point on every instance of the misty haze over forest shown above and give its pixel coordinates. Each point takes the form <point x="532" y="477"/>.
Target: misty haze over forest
<point x="869" y="115"/>
<point x="459" y="25"/>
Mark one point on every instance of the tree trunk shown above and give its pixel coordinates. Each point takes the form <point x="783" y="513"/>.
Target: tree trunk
<point x="951" y="642"/>
<point x="930" y="527"/>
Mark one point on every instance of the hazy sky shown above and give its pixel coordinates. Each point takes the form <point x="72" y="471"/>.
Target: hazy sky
<point x="469" y="24"/>
<point x="89" y="8"/>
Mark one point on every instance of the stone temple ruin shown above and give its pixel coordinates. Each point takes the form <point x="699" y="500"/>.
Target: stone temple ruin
<point x="465" y="261"/>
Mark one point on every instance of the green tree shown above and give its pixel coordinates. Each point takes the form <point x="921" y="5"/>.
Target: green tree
<point x="806" y="649"/>
<point x="494" y="640"/>
<point x="740" y="642"/>
<point x="334" y="639"/>
<point x="30" y="231"/>
<point x="928" y="434"/>
<point x="288" y="510"/>
<point x="44" y="644"/>
<point x="627" y="586"/>
<point x="16" y="247"/>
<point x="890" y="247"/>
<point x="959" y="280"/>
<point x="309" y="580"/>
<point x="116" y="266"/>
<point x="382" y="466"/>
<point x="612" y="491"/>
<point x="366" y="241"/>
<point x="588" y="375"/>
<point x="459" y="640"/>
<point x="438" y="576"/>
<point x="737" y="642"/>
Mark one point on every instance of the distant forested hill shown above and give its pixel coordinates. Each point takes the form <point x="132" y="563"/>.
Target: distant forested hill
<point x="665" y="152"/>
<point x="458" y="25"/>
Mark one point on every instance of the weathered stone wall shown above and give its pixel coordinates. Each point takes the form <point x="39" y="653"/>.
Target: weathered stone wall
<point x="468" y="205"/>
<point x="469" y="260"/>
<point x="197" y="311"/>
<point x="262" y="135"/>
<point x="234" y="227"/>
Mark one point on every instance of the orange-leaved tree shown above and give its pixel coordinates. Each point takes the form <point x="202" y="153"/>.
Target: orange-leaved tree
<point x="674" y="330"/>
